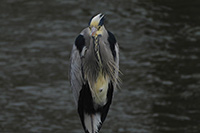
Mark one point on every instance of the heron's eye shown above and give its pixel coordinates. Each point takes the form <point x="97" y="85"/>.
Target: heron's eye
<point x="98" y="27"/>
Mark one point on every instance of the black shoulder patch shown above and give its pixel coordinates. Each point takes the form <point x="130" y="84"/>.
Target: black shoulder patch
<point x="112" y="41"/>
<point x="80" y="42"/>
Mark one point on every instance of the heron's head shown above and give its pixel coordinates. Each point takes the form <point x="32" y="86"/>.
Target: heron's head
<point x="96" y="24"/>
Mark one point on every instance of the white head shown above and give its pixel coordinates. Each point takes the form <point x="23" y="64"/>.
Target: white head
<point x="96" y="24"/>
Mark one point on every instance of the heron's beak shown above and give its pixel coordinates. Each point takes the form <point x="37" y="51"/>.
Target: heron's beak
<point x="93" y="31"/>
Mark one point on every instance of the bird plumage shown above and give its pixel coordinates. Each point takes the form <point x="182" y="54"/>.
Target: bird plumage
<point x="94" y="73"/>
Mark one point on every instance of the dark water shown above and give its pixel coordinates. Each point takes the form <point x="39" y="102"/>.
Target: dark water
<point x="159" y="57"/>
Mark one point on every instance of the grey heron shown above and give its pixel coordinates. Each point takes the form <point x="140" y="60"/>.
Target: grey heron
<point x="94" y="73"/>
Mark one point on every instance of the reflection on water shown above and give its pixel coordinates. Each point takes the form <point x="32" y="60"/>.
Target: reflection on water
<point x="160" y="53"/>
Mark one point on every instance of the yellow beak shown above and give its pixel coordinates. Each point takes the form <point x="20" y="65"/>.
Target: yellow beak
<point x="93" y="31"/>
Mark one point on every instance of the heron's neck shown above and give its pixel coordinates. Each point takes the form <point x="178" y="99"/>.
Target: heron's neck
<point x="97" y="50"/>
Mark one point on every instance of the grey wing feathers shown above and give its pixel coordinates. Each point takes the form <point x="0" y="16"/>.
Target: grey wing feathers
<point x="117" y="66"/>
<point x="76" y="73"/>
<point x="117" y="59"/>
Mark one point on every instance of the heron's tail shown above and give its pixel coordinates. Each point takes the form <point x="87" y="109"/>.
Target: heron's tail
<point x="92" y="123"/>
